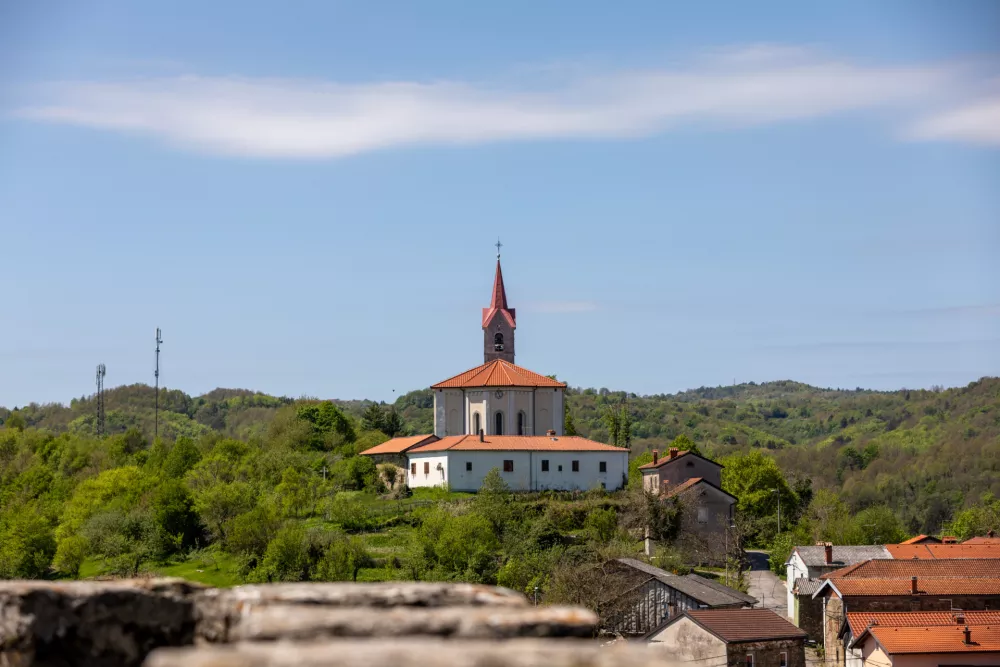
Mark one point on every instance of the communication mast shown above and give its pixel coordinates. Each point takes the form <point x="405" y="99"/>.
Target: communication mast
<point x="156" y="375"/>
<point x="100" y="400"/>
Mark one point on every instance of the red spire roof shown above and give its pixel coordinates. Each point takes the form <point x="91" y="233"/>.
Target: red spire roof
<point x="499" y="301"/>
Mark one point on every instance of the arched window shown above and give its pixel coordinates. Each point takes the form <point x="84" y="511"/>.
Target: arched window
<point x="498" y="342"/>
<point x="498" y="421"/>
<point x="520" y="423"/>
<point x="476" y="424"/>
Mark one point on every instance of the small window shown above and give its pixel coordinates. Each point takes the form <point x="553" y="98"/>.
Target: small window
<point x="508" y="465"/>
<point x="427" y="467"/>
<point x="520" y="423"/>
<point x="602" y="466"/>
<point x="498" y="423"/>
<point x="690" y="464"/>
<point x="468" y="466"/>
<point x="783" y="660"/>
<point x="702" y="515"/>
<point x="560" y="468"/>
<point x="576" y="466"/>
<point x="545" y="465"/>
<point x="413" y="468"/>
<point x="749" y="662"/>
<point x="476" y="424"/>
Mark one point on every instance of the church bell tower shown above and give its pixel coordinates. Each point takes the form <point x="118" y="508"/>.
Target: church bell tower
<point x="498" y="322"/>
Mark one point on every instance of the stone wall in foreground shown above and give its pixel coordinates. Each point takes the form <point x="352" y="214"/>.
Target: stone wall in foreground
<point x="173" y="623"/>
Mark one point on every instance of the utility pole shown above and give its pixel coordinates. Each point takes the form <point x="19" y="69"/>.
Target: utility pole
<point x="156" y="375"/>
<point x="100" y="400"/>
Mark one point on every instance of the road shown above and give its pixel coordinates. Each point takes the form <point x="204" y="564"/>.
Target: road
<point x="765" y="585"/>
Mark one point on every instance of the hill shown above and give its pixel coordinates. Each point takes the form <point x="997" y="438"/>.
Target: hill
<point x="926" y="453"/>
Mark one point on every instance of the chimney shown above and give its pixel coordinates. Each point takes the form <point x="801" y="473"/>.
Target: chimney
<point x="960" y="618"/>
<point x="656" y="456"/>
<point x="550" y="433"/>
<point x="673" y="452"/>
<point x="481" y="436"/>
<point x="948" y="539"/>
<point x="968" y="635"/>
<point x="913" y="585"/>
<point x="828" y="552"/>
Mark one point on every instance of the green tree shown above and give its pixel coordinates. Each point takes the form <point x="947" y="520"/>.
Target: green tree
<point x="219" y="503"/>
<point x="330" y="427"/>
<point x="569" y="426"/>
<point x="759" y="485"/>
<point x="174" y="513"/>
<point x="286" y="558"/>
<point x="393" y="424"/>
<point x="293" y="492"/>
<point x="342" y="559"/>
<point x="183" y="456"/>
<point x="977" y="520"/>
<point x="27" y="544"/>
<point x="373" y="418"/>
<point x="601" y="524"/>
<point x="494" y="502"/>
<point x="877" y="525"/>
<point x="70" y="555"/>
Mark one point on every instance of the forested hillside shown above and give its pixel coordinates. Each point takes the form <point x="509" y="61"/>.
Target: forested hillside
<point x="243" y="486"/>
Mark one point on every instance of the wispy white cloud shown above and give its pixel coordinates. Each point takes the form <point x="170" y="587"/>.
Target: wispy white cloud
<point x="558" y="307"/>
<point x="975" y="123"/>
<point x="321" y="119"/>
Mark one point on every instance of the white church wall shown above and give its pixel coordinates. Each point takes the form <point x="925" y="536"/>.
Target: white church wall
<point x="475" y="403"/>
<point x="431" y="469"/>
<point x="528" y="475"/>
<point x="558" y="416"/>
<point x="521" y="403"/>
<point x="440" y="413"/>
<point x="455" y="407"/>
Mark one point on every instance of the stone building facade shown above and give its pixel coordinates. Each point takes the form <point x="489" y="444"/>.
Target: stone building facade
<point x="744" y="637"/>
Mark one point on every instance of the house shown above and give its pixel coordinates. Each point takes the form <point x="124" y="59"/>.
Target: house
<point x="636" y="597"/>
<point x="501" y="415"/>
<point x="915" y="639"/>
<point x="903" y="585"/>
<point x="706" y="512"/>
<point x="676" y="468"/>
<point x="526" y="463"/>
<point x="812" y="562"/>
<point x="732" y="637"/>
<point x="989" y="538"/>
<point x="943" y="551"/>
<point x="922" y="539"/>
<point x="859" y="622"/>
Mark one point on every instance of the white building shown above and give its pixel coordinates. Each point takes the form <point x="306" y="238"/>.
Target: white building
<point x="500" y="415"/>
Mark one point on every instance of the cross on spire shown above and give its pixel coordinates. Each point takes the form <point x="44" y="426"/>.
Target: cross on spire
<point x="498" y="245"/>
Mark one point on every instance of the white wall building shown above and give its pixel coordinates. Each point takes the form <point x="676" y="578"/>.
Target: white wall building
<point x="500" y="415"/>
<point x="526" y="463"/>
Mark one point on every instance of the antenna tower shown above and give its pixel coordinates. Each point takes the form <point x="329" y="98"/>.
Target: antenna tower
<point x="100" y="400"/>
<point x="156" y="375"/>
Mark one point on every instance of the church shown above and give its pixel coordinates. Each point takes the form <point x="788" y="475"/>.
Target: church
<point x="501" y="415"/>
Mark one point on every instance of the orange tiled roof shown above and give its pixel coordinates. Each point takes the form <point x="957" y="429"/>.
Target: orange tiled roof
<point x="943" y="551"/>
<point x="498" y="373"/>
<point x="744" y="625"/>
<point x="399" y="445"/>
<point x="921" y="539"/>
<point x="859" y="620"/>
<point x="868" y="587"/>
<point x="512" y="443"/>
<point x="887" y="568"/>
<point x="982" y="540"/>
<point x="938" y="639"/>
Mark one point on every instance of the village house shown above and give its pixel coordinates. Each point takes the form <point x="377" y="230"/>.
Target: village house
<point x="731" y="637"/>
<point x="903" y="585"/>
<point x="922" y="539"/>
<point x="637" y="598"/>
<point x="501" y="416"/>
<point x="931" y="551"/>
<point x="803" y="570"/>
<point x="921" y="639"/>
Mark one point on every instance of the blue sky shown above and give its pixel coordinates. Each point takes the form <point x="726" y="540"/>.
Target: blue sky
<point x="304" y="199"/>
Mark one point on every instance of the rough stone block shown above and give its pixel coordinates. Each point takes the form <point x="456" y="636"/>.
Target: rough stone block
<point x="93" y="623"/>
<point x="416" y="653"/>
<point x="309" y="623"/>
<point x="220" y="609"/>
